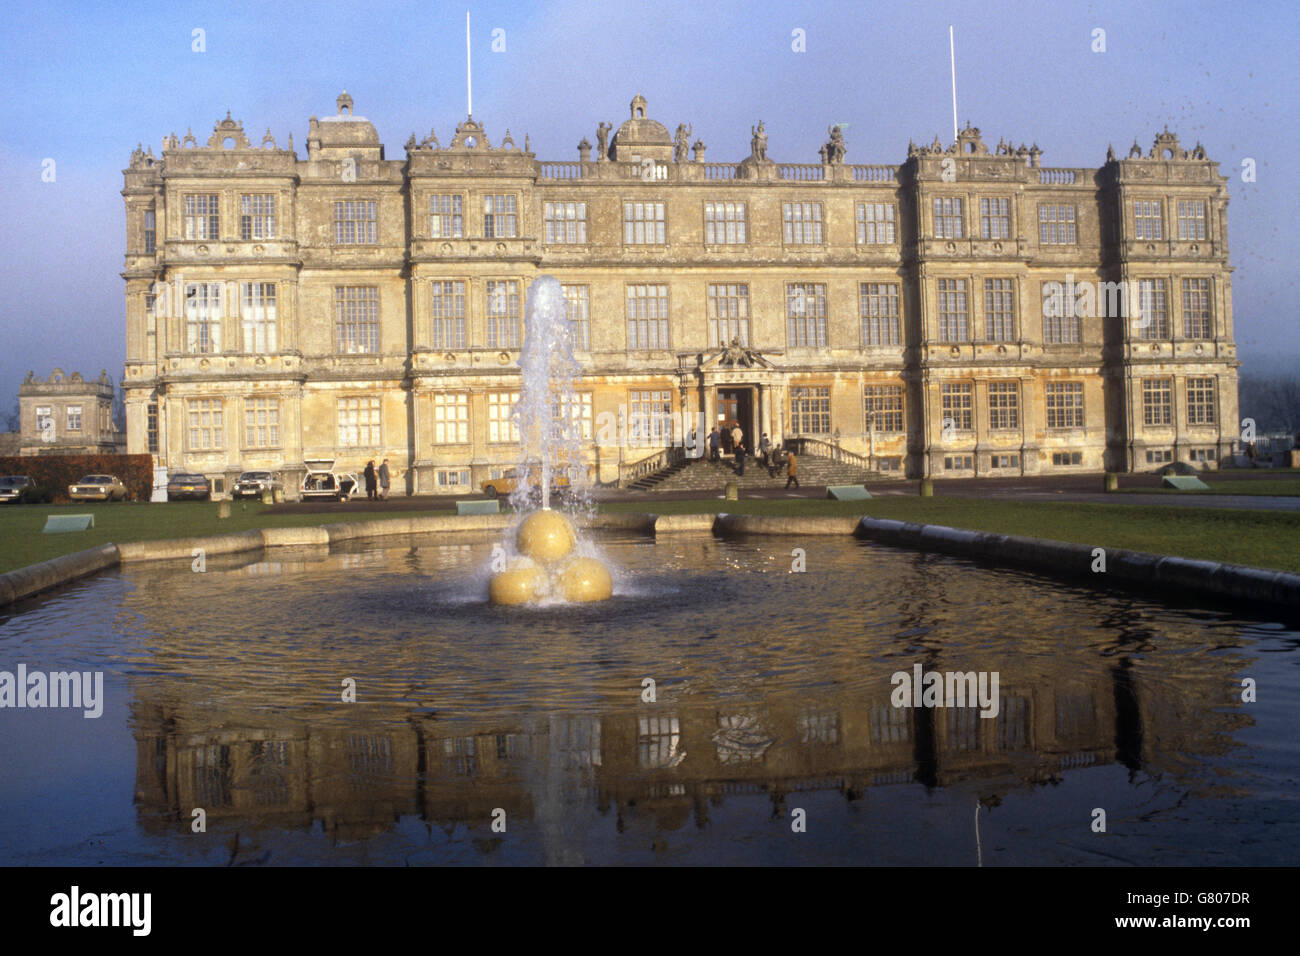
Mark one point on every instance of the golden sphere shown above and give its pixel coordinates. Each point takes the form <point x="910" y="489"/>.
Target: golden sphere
<point x="584" y="579"/>
<point x="520" y="583"/>
<point x="545" y="536"/>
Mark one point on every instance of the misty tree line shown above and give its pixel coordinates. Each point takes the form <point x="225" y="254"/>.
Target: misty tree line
<point x="1272" y="400"/>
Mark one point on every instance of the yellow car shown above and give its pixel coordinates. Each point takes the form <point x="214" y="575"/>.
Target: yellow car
<point x="98" y="488"/>
<point x="509" y="481"/>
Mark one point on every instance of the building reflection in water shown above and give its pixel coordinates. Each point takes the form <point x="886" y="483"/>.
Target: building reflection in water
<point x="357" y="780"/>
<point x="292" y="760"/>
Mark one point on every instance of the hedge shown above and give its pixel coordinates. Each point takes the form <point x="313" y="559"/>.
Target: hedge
<point x="59" y="471"/>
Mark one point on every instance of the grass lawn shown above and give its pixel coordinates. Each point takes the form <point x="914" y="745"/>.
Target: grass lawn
<point x="1266" y="539"/>
<point x="120" y="522"/>
<point x="1259" y="486"/>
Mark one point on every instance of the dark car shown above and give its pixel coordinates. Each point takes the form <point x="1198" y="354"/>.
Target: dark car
<point x="252" y="484"/>
<point x="11" y="487"/>
<point x="185" y="485"/>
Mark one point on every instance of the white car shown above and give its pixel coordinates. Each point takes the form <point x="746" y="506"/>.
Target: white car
<point x="252" y="484"/>
<point x="322" y="482"/>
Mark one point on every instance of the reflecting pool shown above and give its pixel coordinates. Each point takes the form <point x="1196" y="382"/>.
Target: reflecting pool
<point x="505" y="735"/>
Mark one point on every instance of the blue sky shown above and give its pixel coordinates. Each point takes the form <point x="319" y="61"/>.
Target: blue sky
<point x="85" y="82"/>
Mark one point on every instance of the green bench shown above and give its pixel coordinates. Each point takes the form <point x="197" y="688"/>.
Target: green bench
<point x="489" y="507"/>
<point x="847" y="492"/>
<point x="1184" y="483"/>
<point x="58" y="524"/>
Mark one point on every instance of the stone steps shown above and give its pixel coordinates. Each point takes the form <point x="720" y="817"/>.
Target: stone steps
<point x="703" y="475"/>
<point x="650" y="481"/>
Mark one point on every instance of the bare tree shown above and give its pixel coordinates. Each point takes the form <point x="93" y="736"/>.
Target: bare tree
<point x="119" y="407"/>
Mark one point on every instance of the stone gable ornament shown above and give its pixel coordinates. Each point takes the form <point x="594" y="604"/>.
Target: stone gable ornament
<point x="734" y="354"/>
<point x="758" y="141"/>
<point x="228" y="129"/>
<point x="602" y="140"/>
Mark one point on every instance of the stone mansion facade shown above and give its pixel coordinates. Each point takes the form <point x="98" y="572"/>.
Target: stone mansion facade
<point x="968" y="312"/>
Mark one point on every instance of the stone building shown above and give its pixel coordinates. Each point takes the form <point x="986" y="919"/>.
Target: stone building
<point x="968" y="312"/>
<point x="67" y="415"/>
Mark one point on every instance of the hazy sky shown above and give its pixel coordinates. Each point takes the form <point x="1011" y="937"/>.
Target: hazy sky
<point x="85" y="82"/>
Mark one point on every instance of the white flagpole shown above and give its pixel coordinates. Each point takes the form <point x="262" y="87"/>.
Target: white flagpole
<point x="952" y="63"/>
<point x="469" y="79"/>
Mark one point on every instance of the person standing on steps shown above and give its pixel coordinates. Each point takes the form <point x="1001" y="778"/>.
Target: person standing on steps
<point x="737" y="436"/>
<point x="715" y="443"/>
<point x="791" y="470"/>
<point x="369" y="474"/>
<point x="740" y="458"/>
<point x="384" y="481"/>
<point x="765" y="455"/>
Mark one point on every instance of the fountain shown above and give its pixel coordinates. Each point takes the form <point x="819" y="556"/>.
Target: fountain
<point x="543" y="558"/>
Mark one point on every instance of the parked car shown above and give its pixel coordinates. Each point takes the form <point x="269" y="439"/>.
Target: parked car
<point x="252" y="484"/>
<point x="98" y="488"/>
<point x="37" y="492"/>
<point x="509" y="481"/>
<point x="322" y="482"/>
<point x="185" y="485"/>
<point x="11" y="487"/>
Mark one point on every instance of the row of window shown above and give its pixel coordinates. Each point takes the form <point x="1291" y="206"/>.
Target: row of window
<point x="358" y="420"/>
<point x="644" y="222"/>
<point x="45" y="418"/>
<point x="1070" y="458"/>
<point x="1064" y="407"/>
<point x="727" y="314"/>
<point x="651" y="418"/>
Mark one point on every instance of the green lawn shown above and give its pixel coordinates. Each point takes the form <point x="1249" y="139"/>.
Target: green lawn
<point x="1261" y="538"/>
<point x="1256" y="486"/>
<point x="1266" y="539"/>
<point x="120" y="522"/>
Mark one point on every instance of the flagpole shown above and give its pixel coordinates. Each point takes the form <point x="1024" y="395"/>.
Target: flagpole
<point x="952" y="63"/>
<point x="469" y="79"/>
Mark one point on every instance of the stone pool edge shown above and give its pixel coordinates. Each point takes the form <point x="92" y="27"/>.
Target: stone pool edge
<point x="1237" y="583"/>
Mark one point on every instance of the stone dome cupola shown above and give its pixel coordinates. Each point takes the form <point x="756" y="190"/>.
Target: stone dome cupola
<point x="641" y="137"/>
<point x="344" y="135"/>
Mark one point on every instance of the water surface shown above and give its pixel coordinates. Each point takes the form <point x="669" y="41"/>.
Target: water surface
<point x="772" y="706"/>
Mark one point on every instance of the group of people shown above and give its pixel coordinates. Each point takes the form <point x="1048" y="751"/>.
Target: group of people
<point x="377" y="480"/>
<point x="769" y="456"/>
